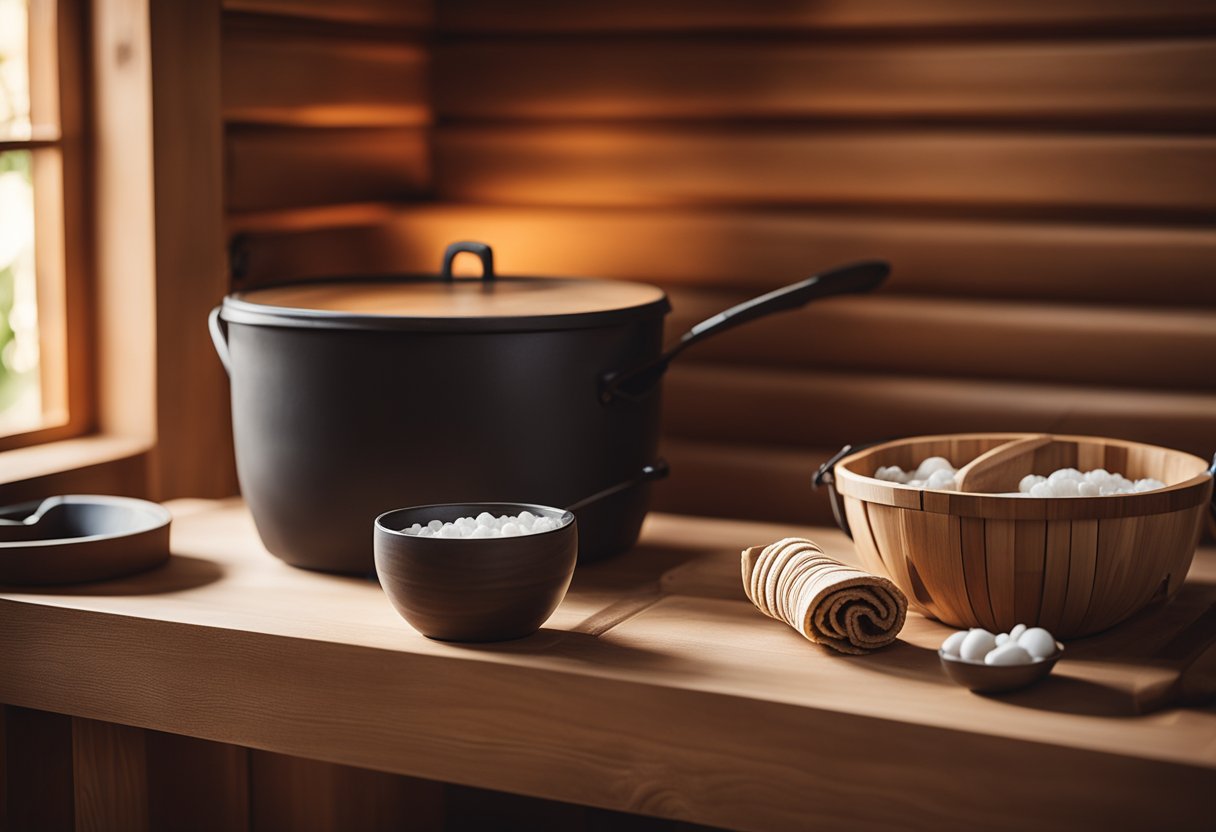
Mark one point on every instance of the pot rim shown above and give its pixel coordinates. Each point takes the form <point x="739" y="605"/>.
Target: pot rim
<point x="242" y="308"/>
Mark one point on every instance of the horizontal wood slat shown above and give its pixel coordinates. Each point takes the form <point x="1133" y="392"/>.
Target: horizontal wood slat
<point x="1163" y="82"/>
<point x="818" y="409"/>
<point x="272" y="168"/>
<point x="288" y="79"/>
<point x="657" y="166"/>
<point x="403" y="13"/>
<point x="718" y="479"/>
<point x="756" y="250"/>
<point x="784" y="15"/>
<point x="979" y="339"/>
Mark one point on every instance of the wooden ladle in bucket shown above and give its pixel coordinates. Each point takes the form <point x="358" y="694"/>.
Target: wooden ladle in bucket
<point x="1003" y="467"/>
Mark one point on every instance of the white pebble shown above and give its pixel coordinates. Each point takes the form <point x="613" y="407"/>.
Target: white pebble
<point x="1008" y="654"/>
<point x="1042" y="489"/>
<point x="1097" y="475"/>
<point x="1088" y="489"/>
<point x="941" y="480"/>
<point x="1037" y="642"/>
<point x="931" y="465"/>
<point x="1002" y="638"/>
<point x="891" y="473"/>
<point x="1030" y="481"/>
<point x="1017" y="631"/>
<point x="1064" y="474"/>
<point x="977" y="644"/>
<point x="954" y="643"/>
<point x="1064" y="487"/>
<point x="484" y="525"/>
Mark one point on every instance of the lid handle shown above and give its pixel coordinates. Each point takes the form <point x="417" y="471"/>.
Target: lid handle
<point x="484" y="253"/>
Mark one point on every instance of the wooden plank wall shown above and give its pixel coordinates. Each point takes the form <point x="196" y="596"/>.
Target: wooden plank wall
<point x="324" y="103"/>
<point x="1042" y="176"/>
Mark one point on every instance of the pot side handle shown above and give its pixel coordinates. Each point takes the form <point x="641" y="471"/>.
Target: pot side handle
<point x="219" y="337"/>
<point x="854" y="278"/>
<point x="483" y="252"/>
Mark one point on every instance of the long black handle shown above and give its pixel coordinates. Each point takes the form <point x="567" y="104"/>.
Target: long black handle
<point x="649" y="473"/>
<point x="843" y="280"/>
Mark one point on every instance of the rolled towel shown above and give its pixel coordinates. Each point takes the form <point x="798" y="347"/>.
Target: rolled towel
<point x="830" y="603"/>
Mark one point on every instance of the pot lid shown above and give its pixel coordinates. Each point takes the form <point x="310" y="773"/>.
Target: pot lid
<point x="443" y="303"/>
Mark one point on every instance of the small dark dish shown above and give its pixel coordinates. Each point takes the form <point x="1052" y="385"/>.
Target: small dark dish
<point x="483" y="589"/>
<point x="78" y="538"/>
<point x="990" y="678"/>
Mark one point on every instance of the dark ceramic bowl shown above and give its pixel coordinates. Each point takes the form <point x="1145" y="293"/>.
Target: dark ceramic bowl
<point x="988" y="678"/>
<point x="81" y="537"/>
<point x="483" y="589"/>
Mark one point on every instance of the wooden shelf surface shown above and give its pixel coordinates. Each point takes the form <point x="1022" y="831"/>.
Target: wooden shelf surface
<point x="655" y="688"/>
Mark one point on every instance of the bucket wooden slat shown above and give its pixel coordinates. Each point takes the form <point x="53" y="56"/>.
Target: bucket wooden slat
<point x="1082" y="565"/>
<point x="891" y="547"/>
<point x="1116" y="553"/>
<point x="1029" y="548"/>
<point x="1056" y="553"/>
<point x="975" y="570"/>
<point x="998" y="542"/>
<point x="936" y="538"/>
<point x="863" y="538"/>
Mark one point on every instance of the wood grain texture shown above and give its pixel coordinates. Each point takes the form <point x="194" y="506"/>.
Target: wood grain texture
<point x="809" y="409"/>
<point x="322" y="81"/>
<point x="1164" y="348"/>
<point x="193" y="453"/>
<point x="273" y="167"/>
<point x="670" y="166"/>
<point x="402" y="13"/>
<point x="984" y="472"/>
<point x="798" y="15"/>
<point x="109" y="776"/>
<point x="1141" y="81"/>
<point x="720" y="698"/>
<point x="755" y="250"/>
<point x="195" y="785"/>
<point x="297" y="795"/>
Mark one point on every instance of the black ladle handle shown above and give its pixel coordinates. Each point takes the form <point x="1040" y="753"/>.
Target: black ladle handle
<point x="657" y="471"/>
<point x="854" y="278"/>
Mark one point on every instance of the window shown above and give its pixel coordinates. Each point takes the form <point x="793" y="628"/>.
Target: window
<point x="43" y="355"/>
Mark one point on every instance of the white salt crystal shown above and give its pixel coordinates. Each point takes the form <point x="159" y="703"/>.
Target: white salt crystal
<point x="435" y="525"/>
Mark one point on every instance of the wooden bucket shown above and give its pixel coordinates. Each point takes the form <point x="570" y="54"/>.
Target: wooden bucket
<point x="1074" y="565"/>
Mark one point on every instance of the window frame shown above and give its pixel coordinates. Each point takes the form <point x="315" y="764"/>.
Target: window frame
<point x="59" y="96"/>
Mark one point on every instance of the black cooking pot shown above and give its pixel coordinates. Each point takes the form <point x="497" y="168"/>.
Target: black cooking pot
<point x="353" y="397"/>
